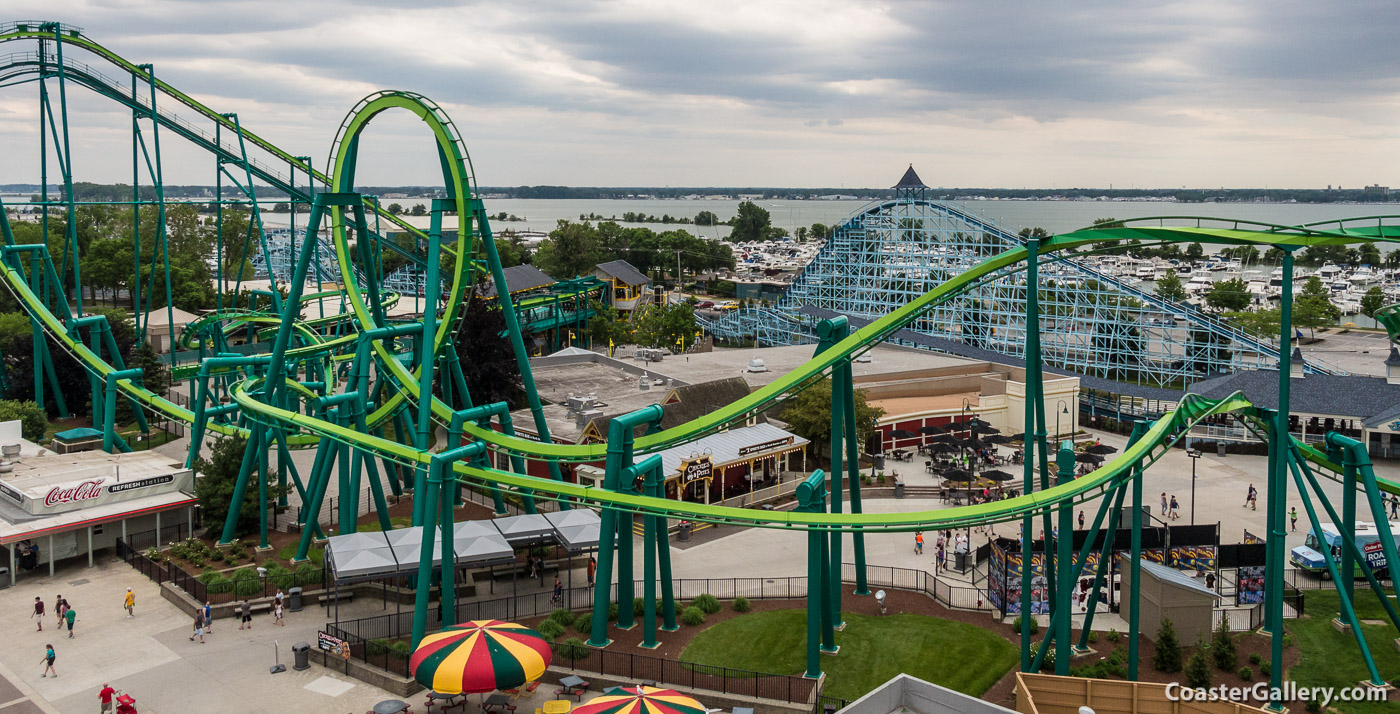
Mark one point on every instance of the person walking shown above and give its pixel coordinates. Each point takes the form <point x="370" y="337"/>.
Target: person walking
<point x="942" y="559"/>
<point x="104" y="697"/>
<point x="918" y="542"/>
<point x="1394" y="507"/>
<point x="247" y="612"/>
<point x="1252" y="500"/>
<point x="130" y="604"/>
<point x="1164" y="503"/>
<point x="58" y="603"/>
<point x="208" y="618"/>
<point x="558" y="591"/>
<point x="1172" y="512"/>
<point x="71" y="616"/>
<point x="198" y="626"/>
<point x="1081" y="520"/>
<point x="38" y="612"/>
<point x="592" y="570"/>
<point x="277" y="597"/>
<point x="1293" y="518"/>
<point x="49" y="657"/>
<point x="277" y="614"/>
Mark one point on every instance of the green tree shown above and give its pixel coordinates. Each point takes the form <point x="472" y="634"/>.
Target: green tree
<point x="217" y="477"/>
<point x="418" y="210"/>
<point x="485" y="353"/>
<point x="1232" y="294"/>
<point x="1194" y="251"/>
<point x="1222" y="647"/>
<point x="572" y="249"/>
<point x="33" y="422"/>
<point x="809" y="414"/>
<point x="395" y="209"/>
<point x="1313" y="308"/>
<point x="1368" y="254"/>
<point x="1169" y="287"/>
<point x="1168" y="647"/>
<point x="1244" y="253"/>
<point x="607" y="329"/>
<point x="706" y="218"/>
<point x="750" y="224"/>
<point x="1205" y="350"/>
<point x="511" y="250"/>
<point x="1258" y="322"/>
<point x="1373" y="300"/>
<point x="666" y="326"/>
<point x="820" y="231"/>
<point x="1198" y="672"/>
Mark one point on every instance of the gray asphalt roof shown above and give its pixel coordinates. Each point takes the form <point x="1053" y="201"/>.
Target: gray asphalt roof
<point x="623" y="270"/>
<point x="521" y="277"/>
<point x="1175" y="577"/>
<point x="1354" y="396"/>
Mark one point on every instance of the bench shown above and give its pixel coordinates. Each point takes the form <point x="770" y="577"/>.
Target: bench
<point x="519" y="573"/>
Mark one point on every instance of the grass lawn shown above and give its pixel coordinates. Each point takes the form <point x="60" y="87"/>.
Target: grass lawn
<point x="314" y="554"/>
<point x="1332" y="659"/>
<point x="873" y="649"/>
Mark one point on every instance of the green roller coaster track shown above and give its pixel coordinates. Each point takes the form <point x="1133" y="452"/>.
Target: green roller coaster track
<point x="349" y="426"/>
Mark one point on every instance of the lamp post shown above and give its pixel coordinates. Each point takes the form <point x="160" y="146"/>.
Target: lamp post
<point x="1195" y="455"/>
<point x="1064" y="409"/>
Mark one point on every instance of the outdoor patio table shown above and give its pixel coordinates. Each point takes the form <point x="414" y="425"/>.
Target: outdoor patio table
<point x="557" y="706"/>
<point x="391" y="706"/>
<point x="495" y="701"/>
<point x="445" y="701"/>
<point x="574" y="681"/>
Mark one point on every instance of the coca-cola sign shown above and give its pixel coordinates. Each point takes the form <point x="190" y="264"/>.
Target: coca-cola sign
<point x="84" y="491"/>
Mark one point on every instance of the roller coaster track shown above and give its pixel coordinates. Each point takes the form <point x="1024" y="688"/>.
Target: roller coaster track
<point x="307" y="429"/>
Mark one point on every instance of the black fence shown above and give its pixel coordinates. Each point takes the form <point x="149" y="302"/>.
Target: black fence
<point x="216" y="592"/>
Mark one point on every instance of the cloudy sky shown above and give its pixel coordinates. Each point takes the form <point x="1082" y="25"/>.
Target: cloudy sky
<point x="1278" y="93"/>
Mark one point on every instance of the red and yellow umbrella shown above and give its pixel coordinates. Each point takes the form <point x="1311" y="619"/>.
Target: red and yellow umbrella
<point x="479" y="656"/>
<point x="642" y="700"/>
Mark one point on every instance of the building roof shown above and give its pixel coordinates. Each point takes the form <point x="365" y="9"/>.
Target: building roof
<point x="159" y="318"/>
<point x="519" y="279"/>
<point x="910" y="179"/>
<point x="1352" y="396"/>
<point x="724" y="447"/>
<point x="81" y="432"/>
<point x="1168" y="574"/>
<point x="623" y="272"/>
<point x="689" y="402"/>
<point x="1386" y="417"/>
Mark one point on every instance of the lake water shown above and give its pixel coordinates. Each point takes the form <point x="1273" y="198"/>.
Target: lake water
<point x="1055" y="216"/>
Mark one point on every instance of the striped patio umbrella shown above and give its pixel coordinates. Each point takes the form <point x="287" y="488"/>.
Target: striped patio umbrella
<point x="479" y="656"/>
<point x="642" y="700"/>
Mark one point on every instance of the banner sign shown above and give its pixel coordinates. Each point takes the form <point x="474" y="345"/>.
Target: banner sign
<point x="333" y="645"/>
<point x="765" y="446"/>
<point x="14" y="495"/>
<point x="140" y="483"/>
<point x="1375" y="556"/>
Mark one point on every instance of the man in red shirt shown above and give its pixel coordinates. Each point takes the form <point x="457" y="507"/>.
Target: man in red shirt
<point x="105" y="696"/>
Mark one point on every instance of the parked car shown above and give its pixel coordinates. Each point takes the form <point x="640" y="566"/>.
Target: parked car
<point x="704" y="304"/>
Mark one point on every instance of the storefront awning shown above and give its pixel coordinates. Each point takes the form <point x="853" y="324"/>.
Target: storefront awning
<point x="742" y="445"/>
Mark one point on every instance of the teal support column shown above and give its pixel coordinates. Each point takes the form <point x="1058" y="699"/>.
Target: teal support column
<point x="650" y="471"/>
<point x="438" y="467"/>
<point x="853" y="478"/>
<point x="663" y="549"/>
<point x="433" y="295"/>
<point x="317" y="483"/>
<point x="1278" y="482"/>
<point x="1104" y="564"/>
<point x="1356" y="451"/>
<point x="1135" y="560"/>
<point x="1347" y="565"/>
<point x="811" y="498"/>
<point x="1067" y="571"/>
<point x="240" y="487"/>
<point x="829" y="333"/>
<point x="110" y="439"/>
<point x="1029" y="449"/>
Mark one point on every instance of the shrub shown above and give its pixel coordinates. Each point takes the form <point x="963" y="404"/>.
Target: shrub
<point x="1287" y="640"/>
<point x="1264" y="669"/>
<point x="1168" y="657"/>
<point x="308" y="573"/>
<point x="1047" y="664"/>
<point x="1246" y="673"/>
<point x="741" y="604"/>
<point x="693" y="616"/>
<point x="1093" y="637"/>
<point x="639" y="606"/>
<point x="1222" y="647"/>
<point x="155" y="555"/>
<point x="1198" y="672"/>
<point x="612" y="612"/>
<point x="563" y="616"/>
<point x="33" y="421"/>
<point x="400" y="650"/>
<point x="1016" y="625"/>
<point x="1255" y="658"/>
<point x="571" y="649"/>
<point x="550" y="629"/>
<point x="1313" y="705"/>
<point x="376" y="647"/>
<point x="584" y="623"/>
<point x="1113" y="635"/>
<point x="708" y="603"/>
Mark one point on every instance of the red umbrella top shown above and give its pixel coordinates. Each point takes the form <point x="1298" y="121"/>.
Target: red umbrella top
<point x="479" y="656"/>
<point x="642" y="700"/>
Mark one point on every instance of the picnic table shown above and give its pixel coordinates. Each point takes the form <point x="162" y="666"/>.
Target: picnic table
<point x="572" y="686"/>
<point x="445" y="701"/>
<point x="497" y="702"/>
<point x="557" y="706"/>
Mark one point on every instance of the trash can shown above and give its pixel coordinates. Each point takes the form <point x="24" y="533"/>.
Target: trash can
<point x="685" y="531"/>
<point x="960" y="561"/>
<point x="1219" y="448"/>
<point x="879" y="461"/>
<point x="898" y="487"/>
<point x="294" y="599"/>
<point x="301" y="653"/>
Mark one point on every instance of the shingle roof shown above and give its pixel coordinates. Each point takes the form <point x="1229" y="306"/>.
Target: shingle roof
<point x="1175" y="577"/>
<point x="697" y="400"/>
<point x="623" y="271"/>
<point x="519" y="279"/>
<point x="1348" y="396"/>
<point x="910" y="179"/>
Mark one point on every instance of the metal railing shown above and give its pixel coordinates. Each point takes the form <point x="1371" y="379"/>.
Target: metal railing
<point x="218" y="593"/>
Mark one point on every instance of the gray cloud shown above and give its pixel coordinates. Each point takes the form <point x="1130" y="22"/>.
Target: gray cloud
<point x="710" y="91"/>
